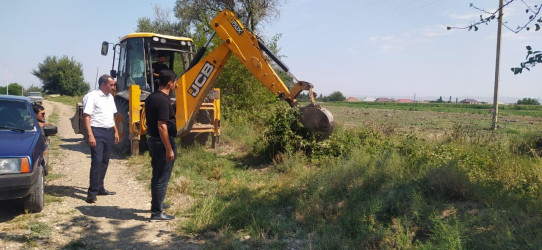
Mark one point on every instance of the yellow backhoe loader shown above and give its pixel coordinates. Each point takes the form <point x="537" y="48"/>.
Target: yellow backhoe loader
<point x="196" y="103"/>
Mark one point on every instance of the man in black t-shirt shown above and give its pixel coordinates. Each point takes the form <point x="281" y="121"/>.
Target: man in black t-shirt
<point x="161" y="129"/>
<point x="157" y="67"/>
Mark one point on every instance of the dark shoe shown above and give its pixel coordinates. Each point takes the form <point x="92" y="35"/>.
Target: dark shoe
<point x="161" y="216"/>
<point x="105" y="192"/>
<point x="91" y="199"/>
<point x="164" y="206"/>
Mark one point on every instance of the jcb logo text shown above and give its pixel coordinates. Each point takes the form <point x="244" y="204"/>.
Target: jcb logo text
<point x="201" y="79"/>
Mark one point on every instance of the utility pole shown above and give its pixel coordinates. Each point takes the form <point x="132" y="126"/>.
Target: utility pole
<point x="95" y="83"/>
<point x="497" y="68"/>
<point x="7" y="80"/>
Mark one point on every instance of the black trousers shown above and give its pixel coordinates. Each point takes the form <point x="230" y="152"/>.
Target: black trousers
<point x="100" y="158"/>
<point x="161" y="171"/>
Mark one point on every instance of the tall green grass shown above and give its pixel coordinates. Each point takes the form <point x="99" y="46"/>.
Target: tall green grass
<point x="369" y="187"/>
<point x="512" y="109"/>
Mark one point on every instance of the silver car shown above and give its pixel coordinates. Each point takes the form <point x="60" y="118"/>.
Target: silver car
<point x="35" y="97"/>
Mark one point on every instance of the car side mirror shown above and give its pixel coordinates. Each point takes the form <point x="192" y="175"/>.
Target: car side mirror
<point x="105" y="48"/>
<point x="113" y="73"/>
<point x="50" y="130"/>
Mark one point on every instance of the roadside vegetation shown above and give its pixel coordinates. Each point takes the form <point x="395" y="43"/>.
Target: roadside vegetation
<point x="504" y="110"/>
<point x="374" y="185"/>
<point x="68" y="100"/>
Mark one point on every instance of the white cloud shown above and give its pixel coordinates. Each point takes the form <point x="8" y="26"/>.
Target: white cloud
<point x="407" y="40"/>
<point x="464" y="16"/>
<point x="388" y="42"/>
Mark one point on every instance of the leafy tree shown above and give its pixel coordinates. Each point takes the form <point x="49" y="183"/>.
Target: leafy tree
<point x="161" y="24"/>
<point x="61" y="76"/>
<point x="13" y="89"/>
<point x="194" y="16"/>
<point x="304" y="97"/>
<point x="336" y="96"/>
<point x="197" y="14"/>
<point x="528" y="101"/>
<point x="32" y="89"/>
<point x="534" y="22"/>
<point x="439" y="100"/>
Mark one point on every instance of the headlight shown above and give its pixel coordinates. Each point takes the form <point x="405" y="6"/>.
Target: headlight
<point x="14" y="165"/>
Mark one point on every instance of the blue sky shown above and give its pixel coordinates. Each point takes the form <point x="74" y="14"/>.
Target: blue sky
<point x="375" y="48"/>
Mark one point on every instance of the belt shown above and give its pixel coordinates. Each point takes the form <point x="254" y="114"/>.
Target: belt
<point x="158" y="137"/>
<point x="104" y="129"/>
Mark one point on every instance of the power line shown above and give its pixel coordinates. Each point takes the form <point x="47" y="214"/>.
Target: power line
<point x="335" y="17"/>
<point x="372" y="21"/>
<point x="400" y="15"/>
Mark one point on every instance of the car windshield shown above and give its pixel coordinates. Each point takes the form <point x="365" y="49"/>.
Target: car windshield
<point x="15" y="115"/>
<point x="34" y="94"/>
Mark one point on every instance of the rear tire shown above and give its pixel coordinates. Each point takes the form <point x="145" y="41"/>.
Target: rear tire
<point x="85" y="136"/>
<point x="35" y="202"/>
<point x="122" y="122"/>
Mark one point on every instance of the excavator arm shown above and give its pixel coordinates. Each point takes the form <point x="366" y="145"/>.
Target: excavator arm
<point x="195" y="84"/>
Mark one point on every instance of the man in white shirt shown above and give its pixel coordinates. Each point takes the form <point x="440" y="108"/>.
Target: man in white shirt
<point x="98" y="116"/>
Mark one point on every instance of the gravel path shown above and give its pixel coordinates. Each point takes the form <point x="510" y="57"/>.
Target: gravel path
<point x="115" y="222"/>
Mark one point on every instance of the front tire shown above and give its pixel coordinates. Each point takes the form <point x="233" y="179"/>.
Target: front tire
<point x="122" y="122"/>
<point x="35" y="202"/>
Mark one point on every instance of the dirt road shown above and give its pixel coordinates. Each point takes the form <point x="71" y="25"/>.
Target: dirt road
<point x="119" y="221"/>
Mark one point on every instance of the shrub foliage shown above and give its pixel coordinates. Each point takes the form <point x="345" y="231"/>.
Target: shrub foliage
<point x="61" y="76"/>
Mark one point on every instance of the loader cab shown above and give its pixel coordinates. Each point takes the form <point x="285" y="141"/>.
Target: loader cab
<point x="137" y="52"/>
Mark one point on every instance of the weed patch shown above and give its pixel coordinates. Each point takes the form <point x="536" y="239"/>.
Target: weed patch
<point x="373" y="186"/>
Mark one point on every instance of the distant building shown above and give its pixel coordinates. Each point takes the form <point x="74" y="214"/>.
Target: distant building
<point x="383" y="99"/>
<point x="421" y="101"/>
<point x="351" y="99"/>
<point x="368" y="99"/>
<point x="404" y="100"/>
<point x="469" y="101"/>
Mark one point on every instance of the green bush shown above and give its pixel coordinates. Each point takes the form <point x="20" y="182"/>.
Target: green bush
<point x="285" y="134"/>
<point x="529" y="143"/>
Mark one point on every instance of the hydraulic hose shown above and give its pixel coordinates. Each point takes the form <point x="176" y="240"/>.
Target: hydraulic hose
<point x="275" y="58"/>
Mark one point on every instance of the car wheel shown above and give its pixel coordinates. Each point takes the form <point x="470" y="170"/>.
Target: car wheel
<point x="122" y="122"/>
<point x="46" y="156"/>
<point x="34" y="202"/>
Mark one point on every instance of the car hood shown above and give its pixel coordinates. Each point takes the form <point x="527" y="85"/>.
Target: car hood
<point x="17" y="143"/>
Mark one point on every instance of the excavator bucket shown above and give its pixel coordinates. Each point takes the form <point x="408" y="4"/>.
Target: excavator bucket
<point x="319" y="121"/>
